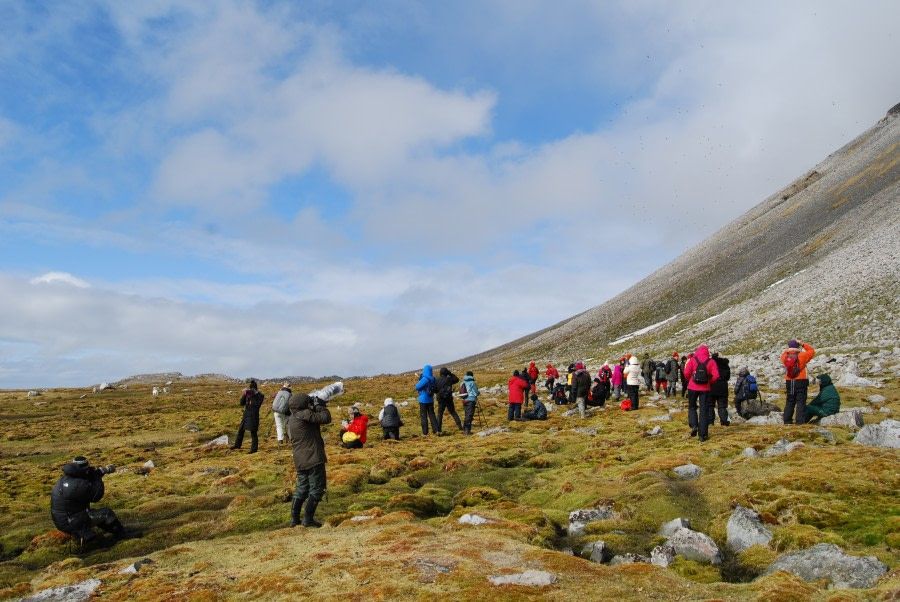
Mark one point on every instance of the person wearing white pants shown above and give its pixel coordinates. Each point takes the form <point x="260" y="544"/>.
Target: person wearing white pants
<point x="281" y="412"/>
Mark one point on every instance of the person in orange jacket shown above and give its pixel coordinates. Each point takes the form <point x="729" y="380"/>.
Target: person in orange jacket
<point x="796" y="384"/>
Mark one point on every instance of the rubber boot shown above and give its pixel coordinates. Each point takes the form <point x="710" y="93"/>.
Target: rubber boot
<point x="296" y="505"/>
<point x="309" y="514"/>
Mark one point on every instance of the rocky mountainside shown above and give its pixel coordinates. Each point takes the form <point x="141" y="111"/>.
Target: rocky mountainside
<point x="816" y="261"/>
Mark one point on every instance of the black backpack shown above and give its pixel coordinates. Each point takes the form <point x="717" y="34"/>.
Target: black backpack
<point x="724" y="369"/>
<point x="446" y="392"/>
<point x="701" y="374"/>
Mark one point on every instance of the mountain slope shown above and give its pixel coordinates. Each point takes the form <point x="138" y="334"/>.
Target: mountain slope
<point x="817" y="261"/>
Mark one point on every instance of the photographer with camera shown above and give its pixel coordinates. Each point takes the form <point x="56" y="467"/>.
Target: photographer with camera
<point x="74" y="492"/>
<point x="308" y="414"/>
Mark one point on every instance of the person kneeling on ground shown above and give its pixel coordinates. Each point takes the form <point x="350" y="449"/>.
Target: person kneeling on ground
<point x="353" y="433"/>
<point x="538" y="412"/>
<point x="389" y="417"/>
<point x="826" y="403"/>
<point x="308" y="414"/>
<point x="71" y="497"/>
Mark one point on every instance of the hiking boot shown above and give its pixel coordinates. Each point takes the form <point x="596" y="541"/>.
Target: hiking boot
<point x="309" y="514"/>
<point x="296" y="505"/>
<point x="693" y="432"/>
<point x="701" y="438"/>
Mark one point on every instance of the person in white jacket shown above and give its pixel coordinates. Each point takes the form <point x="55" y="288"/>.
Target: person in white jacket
<point x="281" y="400"/>
<point x="633" y="380"/>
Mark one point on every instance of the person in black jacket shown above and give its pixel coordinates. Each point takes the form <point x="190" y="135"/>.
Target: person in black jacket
<point x="443" y="389"/>
<point x="390" y="420"/>
<point x="252" y="400"/>
<point x="71" y="498"/>
<point x="539" y="412"/>
<point x="718" y="392"/>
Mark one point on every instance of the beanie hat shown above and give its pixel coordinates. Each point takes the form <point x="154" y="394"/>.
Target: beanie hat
<point x="515" y="372"/>
<point x="675" y="354"/>
<point x="81" y="461"/>
<point x="388" y="402"/>
<point x="793" y="344"/>
<point x="469" y="373"/>
<point x="444" y="372"/>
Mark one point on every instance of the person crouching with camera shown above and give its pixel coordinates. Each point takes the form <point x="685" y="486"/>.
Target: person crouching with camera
<point x="308" y="414"/>
<point x="80" y="486"/>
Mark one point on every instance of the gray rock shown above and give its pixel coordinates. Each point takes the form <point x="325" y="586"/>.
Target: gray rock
<point x="749" y="452"/>
<point x="493" y="431"/>
<point x="223" y="440"/>
<point x="851" y="380"/>
<point x="669" y="528"/>
<point x="883" y="434"/>
<point x="656" y="430"/>
<point x="133" y="568"/>
<point x="149" y="464"/>
<point x="782" y="446"/>
<point x="694" y="545"/>
<point x="594" y="551"/>
<point x="33" y="393"/>
<point x="579" y="519"/>
<point x="473" y="519"/>
<point x="876" y="399"/>
<point x="688" y="471"/>
<point x="746" y="529"/>
<point x="771" y="418"/>
<point x="757" y="407"/>
<point x="885" y="410"/>
<point x="529" y="577"/>
<point x="628" y="558"/>
<point x="825" y="434"/>
<point x="663" y="555"/>
<point x="66" y="593"/>
<point x="662" y="418"/>
<point x="584" y="431"/>
<point x="850" y="418"/>
<point x="828" y="561"/>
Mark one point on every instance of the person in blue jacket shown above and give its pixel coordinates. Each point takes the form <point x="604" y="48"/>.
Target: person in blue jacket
<point x="425" y="388"/>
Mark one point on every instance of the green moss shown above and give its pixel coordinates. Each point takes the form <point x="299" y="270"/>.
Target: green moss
<point x="695" y="571"/>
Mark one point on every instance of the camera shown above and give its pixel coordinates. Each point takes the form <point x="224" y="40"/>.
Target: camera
<point x="109" y="468"/>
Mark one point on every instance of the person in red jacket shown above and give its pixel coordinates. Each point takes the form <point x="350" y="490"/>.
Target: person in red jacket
<point x="359" y="426"/>
<point x="517" y="388"/>
<point x="796" y="384"/>
<point x="533" y="374"/>
<point x="552" y="374"/>
<point x="698" y="392"/>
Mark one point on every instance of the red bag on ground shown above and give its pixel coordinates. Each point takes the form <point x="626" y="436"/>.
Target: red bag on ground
<point x="626" y="404"/>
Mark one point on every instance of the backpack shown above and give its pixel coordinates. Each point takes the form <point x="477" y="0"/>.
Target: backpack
<point x="752" y="387"/>
<point x="626" y="404"/>
<point x="281" y="401"/>
<point x="605" y="374"/>
<point x="445" y="393"/>
<point x="724" y="370"/>
<point x="701" y="374"/>
<point x="462" y="390"/>
<point x="791" y="363"/>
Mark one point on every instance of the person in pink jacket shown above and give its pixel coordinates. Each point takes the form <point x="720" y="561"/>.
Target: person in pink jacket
<point x="618" y="378"/>
<point x="698" y="392"/>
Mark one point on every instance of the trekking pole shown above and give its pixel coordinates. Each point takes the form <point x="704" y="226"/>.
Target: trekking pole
<point x="480" y="415"/>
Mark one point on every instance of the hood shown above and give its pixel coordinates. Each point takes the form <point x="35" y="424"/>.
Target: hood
<point x="75" y="470"/>
<point x="299" y="401"/>
<point x="702" y="353"/>
<point x="428" y="371"/>
<point x="388" y="402"/>
<point x="633" y="361"/>
<point x="444" y="372"/>
<point x="531" y="365"/>
<point x="469" y="378"/>
<point x="743" y="372"/>
<point x="549" y="365"/>
<point x="579" y="366"/>
<point x="824" y="380"/>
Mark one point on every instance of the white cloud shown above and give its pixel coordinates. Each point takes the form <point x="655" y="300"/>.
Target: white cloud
<point x="63" y="277"/>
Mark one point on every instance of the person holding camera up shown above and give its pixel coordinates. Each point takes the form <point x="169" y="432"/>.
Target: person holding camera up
<point x="252" y="401"/>
<point x="71" y="498"/>
<point x="308" y="414"/>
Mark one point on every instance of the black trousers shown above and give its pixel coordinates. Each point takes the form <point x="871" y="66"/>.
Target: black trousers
<point x="468" y="415"/>
<point x="718" y="400"/>
<point x="426" y="415"/>
<point x="311" y="483"/>
<point x="391" y="432"/>
<point x="698" y="411"/>
<point x="239" y="439"/>
<point x="796" y="399"/>
<point x="448" y="405"/>
<point x="633" y="395"/>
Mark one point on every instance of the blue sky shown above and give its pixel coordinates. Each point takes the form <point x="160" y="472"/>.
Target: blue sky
<point x="316" y="188"/>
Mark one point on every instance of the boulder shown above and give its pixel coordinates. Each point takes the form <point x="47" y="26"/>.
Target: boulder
<point x="688" y="471"/>
<point x="757" y="407"/>
<point x="663" y="555"/>
<point x="679" y="523"/>
<point x="662" y="418"/>
<point x="33" y="393"/>
<point x="825" y="434"/>
<point x="828" y="561"/>
<point x="782" y="446"/>
<point x="493" y="431"/>
<point x="883" y="434"/>
<point x="771" y="418"/>
<point x="749" y="452"/>
<point x="69" y="593"/>
<point x="628" y="558"/>
<point x="851" y="380"/>
<point x="579" y="519"/>
<point x="529" y="577"/>
<point x="594" y="551"/>
<point x="694" y="545"/>
<point x="745" y="528"/>
<point x="876" y="399"/>
<point x="852" y="418"/>
<point x="223" y="440"/>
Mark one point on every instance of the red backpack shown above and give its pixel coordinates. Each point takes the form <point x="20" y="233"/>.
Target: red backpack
<point x="626" y="404"/>
<point x="791" y="363"/>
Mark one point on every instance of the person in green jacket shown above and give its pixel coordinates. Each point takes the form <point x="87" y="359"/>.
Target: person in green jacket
<point x="826" y="403"/>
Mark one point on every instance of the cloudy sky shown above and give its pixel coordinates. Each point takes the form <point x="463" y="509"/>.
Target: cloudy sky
<point x="273" y="188"/>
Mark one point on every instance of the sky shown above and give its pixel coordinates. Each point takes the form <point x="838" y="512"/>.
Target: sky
<point x="354" y="188"/>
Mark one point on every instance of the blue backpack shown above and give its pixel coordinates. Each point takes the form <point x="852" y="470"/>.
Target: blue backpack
<point x="752" y="386"/>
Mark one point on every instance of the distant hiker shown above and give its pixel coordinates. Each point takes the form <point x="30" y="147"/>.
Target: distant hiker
<point x="425" y="388"/>
<point x="701" y="372"/>
<point x="632" y="374"/>
<point x="552" y="374"/>
<point x="570" y="373"/>
<point x="648" y="367"/>
<point x="794" y="360"/>
<point x="684" y="380"/>
<point x="581" y="384"/>
<point x="71" y="497"/>
<point x="281" y="411"/>
<point x="517" y="388"/>
<point x="742" y="390"/>
<point x="443" y="390"/>
<point x="308" y="414"/>
<point x="468" y="391"/>
<point x="389" y="417"/>
<point x="661" y="377"/>
<point x="718" y="392"/>
<point x="604" y="377"/>
<point x="559" y="394"/>
<point x="598" y="394"/>
<point x="618" y="379"/>
<point x="826" y="403"/>
<point x="673" y="369"/>
<point x="252" y="400"/>
<point x="539" y="412"/>
<point x="354" y="432"/>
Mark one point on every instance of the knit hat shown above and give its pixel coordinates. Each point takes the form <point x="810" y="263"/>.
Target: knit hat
<point x="793" y="344"/>
<point x="515" y="372"/>
<point x="675" y="354"/>
<point x="388" y="402"/>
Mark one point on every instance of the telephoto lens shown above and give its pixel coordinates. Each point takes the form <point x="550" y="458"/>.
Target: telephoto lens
<point x="109" y="468"/>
